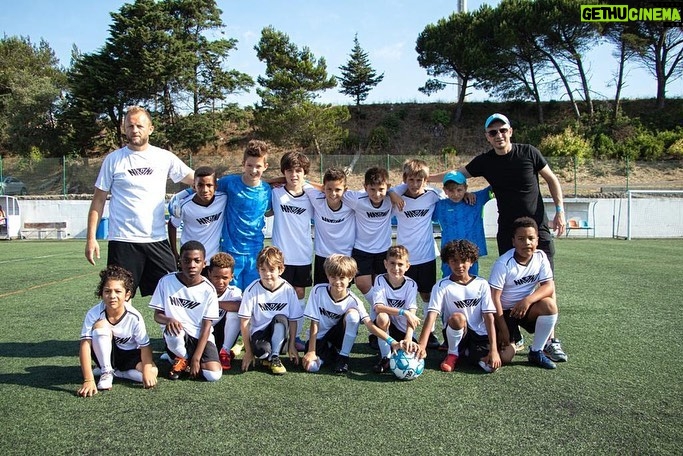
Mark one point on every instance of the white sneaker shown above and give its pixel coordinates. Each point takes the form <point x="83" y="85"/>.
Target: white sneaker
<point x="106" y="379"/>
<point x="488" y="369"/>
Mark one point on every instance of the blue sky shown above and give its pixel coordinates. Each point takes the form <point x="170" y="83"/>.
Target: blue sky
<point x="387" y="30"/>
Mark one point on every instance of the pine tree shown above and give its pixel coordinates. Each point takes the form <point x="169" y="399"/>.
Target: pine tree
<point x="358" y="78"/>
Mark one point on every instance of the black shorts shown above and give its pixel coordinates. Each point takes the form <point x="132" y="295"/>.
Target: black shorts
<point x="369" y="263"/>
<point x="148" y="262"/>
<point x="298" y="276"/>
<point x="122" y="360"/>
<point x="424" y="275"/>
<point x="327" y="348"/>
<point x="210" y="352"/>
<point x="513" y="325"/>
<point x="472" y="346"/>
<point x="396" y="333"/>
<point x="261" y="341"/>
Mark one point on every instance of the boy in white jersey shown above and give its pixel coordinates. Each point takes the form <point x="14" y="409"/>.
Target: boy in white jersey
<point x="227" y="328"/>
<point x="202" y="214"/>
<point x="394" y="301"/>
<point x="185" y="304"/>
<point x="415" y="230"/>
<point x="467" y="312"/>
<point x="115" y="332"/>
<point x="522" y="286"/>
<point x="268" y="314"/>
<point x="292" y="212"/>
<point x="335" y="226"/>
<point x="335" y="314"/>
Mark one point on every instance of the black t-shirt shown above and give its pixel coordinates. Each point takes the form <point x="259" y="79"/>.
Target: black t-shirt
<point x="514" y="180"/>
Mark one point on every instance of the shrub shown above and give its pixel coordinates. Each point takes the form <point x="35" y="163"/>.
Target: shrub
<point x="676" y="149"/>
<point x="378" y="140"/>
<point x="566" y="144"/>
<point x="604" y="147"/>
<point x="441" y="117"/>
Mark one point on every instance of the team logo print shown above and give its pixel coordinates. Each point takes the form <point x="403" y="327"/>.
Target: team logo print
<point x="141" y="171"/>
<point x="396" y="302"/>
<point x="208" y="220"/>
<point x="467" y="303"/>
<point x="292" y="209"/>
<point x="272" y="306"/>
<point x="181" y="302"/>
<point x="379" y="214"/>
<point x="527" y="279"/>
<point x="121" y="340"/>
<point x="416" y="213"/>
<point x="328" y="314"/>
<point x="329" y="220"/>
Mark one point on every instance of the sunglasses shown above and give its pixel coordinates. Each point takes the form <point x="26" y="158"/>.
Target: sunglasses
<point x="494" y="133"/>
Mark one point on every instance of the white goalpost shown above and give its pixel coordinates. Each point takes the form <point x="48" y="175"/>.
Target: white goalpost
<point x="649" y="214"/>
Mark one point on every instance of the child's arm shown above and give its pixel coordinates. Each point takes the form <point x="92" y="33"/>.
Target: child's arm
<point x="195" y="362"/>
<point x="89" y="387"/>
<point x="248" y="358"/>
<point x="426" y="330"/>
<point x="229" y="306"/>
<point x="407" y="345"/>
<point x="149" y="369"/>
<point x="412" y="320"/>
<point x="173" y="326"/>
<point x="292" y="351"/>
<point x="310" y="356"/>
<point x="544" y="290"/>
<point x="501" y="326"/>
<point x="493" y="358"/>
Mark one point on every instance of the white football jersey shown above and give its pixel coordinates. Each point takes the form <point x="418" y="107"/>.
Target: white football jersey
<point x="473" y="300"/>
<point x="231" y="293"/>
<point x="261" y="305"/>
<point x="414" y="228"/>
<point x="327" y="312"/>
<point x="292" y="226"/>
<point x="517" y="281"/>
<point x="403" y="297"/>
<point x="202" y="223"/>
<point x="137" y="183"/>
<point x="373" y="224"/>
<point x="129" y="333"/>
<point x="189" y="305"/>
<point x="335" y="230"/>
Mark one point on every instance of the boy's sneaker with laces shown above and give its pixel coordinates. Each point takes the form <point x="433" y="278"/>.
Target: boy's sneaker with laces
<point x="276" y="366"/>
<point x="382" y="366"/>
<point x="486" y="367"/>
<point x="179" y="366"/>
<point x="519" y="345"/>
<point x="539" y="359"/>
<point x="448" y="363"/>
<point x="342" y="366"/>
<point x="553" y="350"/>
<point x="225" y="358"/>
<point x="106" y="380"/>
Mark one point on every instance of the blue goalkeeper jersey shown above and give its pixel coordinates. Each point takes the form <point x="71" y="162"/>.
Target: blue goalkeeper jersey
<point x="462" y="221"/>
<point x="245" y="212"/>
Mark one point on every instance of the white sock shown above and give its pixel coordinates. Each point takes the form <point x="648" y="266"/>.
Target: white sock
<point x="454" y="336"/>
<point x="131" y="374"/>
<point x="300" y="323"/>
<point x="278" y="339"/>
<point x="231" y="330"/>
<point x="544" y="328"/>
<point x="384" y="347"/>
<point x="350" y="332"/>
<point x="212" y="376"/>
<point x="177" y="343"/>
<point x="101" y="345"/>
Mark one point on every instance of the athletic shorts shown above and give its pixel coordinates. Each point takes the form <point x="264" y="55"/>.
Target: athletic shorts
<point x="148" y="262"/>
<point x="369" y="263"/>
<point x="319" y="275"/>
<point x="298" y="276"/>
<point x="328" y="347"/>
<point x="210" y="352"/>
<point x="424" y="275"/>
<point x="245" y="270"/>
<point x="122" y="360"/>
<point x="261" y="341"/>
<point x="513" y="325"/>
<point x="472" y="345"/>
<point x="396" y="333"/>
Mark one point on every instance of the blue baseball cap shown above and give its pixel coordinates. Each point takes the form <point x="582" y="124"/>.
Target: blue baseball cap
<point x="455" y="176"/>
<point x="496" y="117"/>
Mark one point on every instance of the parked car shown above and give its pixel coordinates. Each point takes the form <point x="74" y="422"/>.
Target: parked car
<point x="12" y="186"/>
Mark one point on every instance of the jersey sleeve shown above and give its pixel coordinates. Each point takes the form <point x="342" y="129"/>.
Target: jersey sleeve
<point x="295" y="310"/>
<point x="312" y="312"/>
<point x="177" y="169"/>
<point x="140" y="332"/>
<point x="487" y="305"/>
<point x="497" y="276"/>
<point x="157" y="301"/>
<point x="436" y="299"/>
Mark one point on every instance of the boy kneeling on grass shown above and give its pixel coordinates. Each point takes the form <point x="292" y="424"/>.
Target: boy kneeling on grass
<point x="115" y="332"/>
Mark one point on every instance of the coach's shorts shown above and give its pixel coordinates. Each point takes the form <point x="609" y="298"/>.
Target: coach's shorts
<point x="148" y="262"/>
<point x="369" y="263"/>
<point x="424" y="275"/>
<point x="298" y="276"/>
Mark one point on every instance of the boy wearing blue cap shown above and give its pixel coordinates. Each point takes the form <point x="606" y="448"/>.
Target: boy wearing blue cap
<point x="460" y="220"/>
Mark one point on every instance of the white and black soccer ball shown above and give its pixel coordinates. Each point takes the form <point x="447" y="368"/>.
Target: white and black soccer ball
<point x="406" y="366"/>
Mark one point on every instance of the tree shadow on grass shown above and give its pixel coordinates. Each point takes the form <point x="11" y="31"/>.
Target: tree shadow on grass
<point x="52" y="378"/>
<point x="44" y="349"/>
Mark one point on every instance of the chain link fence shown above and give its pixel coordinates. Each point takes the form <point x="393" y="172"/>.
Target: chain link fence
<point x="69" y="176"/>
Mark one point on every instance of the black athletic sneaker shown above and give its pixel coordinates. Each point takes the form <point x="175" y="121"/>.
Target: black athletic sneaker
<point x="382" y="366"/>
<point x="342" y="366"/>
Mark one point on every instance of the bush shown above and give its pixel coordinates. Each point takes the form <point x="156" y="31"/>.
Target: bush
<point x="675" y="150"/>
<point x="566" y="144"/>
<point x="441" y="117"/>
<point x="378" y="140"/>
<point x="647" y="146"/>
<point x="604" y="147"/>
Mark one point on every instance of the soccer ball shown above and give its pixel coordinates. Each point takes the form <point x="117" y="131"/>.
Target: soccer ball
<point x="406" y="366"/>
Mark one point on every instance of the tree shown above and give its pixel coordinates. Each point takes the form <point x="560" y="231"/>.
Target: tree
<point x="30" y="85"/>
<point x="358" y="77"/>
<point x="287" y="113"/>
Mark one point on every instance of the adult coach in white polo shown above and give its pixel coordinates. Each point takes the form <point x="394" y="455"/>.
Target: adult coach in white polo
<point x="136" y="176"/>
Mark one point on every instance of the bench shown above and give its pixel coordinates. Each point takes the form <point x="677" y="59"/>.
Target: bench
<point x="44" y="230"/>
<point x="578" y="224"/>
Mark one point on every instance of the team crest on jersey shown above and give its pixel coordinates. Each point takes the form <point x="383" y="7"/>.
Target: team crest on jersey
<point x="141" y="171"/>
<point x="527" y="279"/>
<point x="208" y="220"/>
<point x="396" y="302"/>
<point x="329" y="220"/>
<point x="377" y="214"/>
<point x="272" y="306"/>
<point x="328" y="314"/>
<point x="186" y="303"/>
<point x="121" y="340"/>
<point x="292" y="209"/>
<point x="416" y="213"/>
<point x="467" y="303"/>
